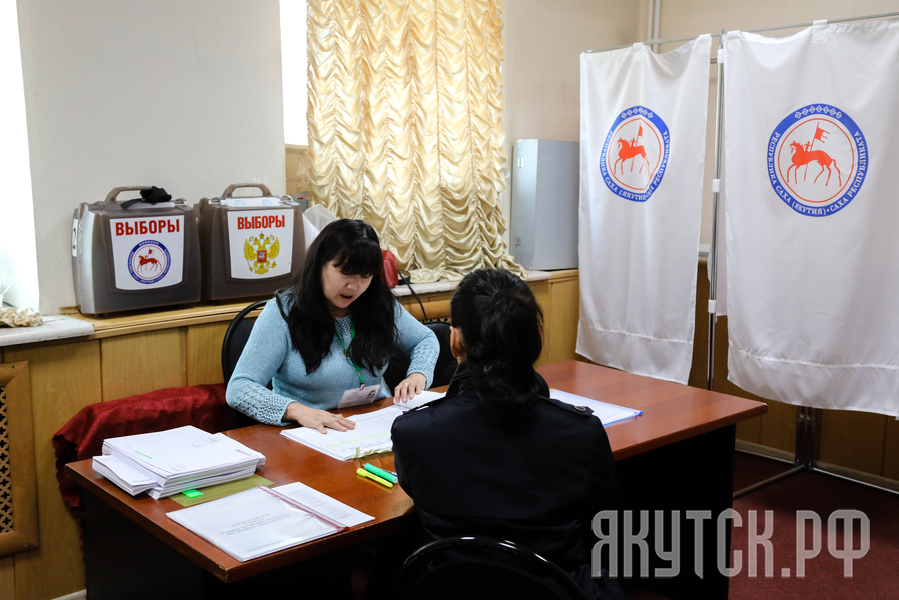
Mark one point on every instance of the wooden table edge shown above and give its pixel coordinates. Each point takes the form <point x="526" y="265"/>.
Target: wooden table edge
<point x="231" y="569"/>
<point x="628" y="451"/>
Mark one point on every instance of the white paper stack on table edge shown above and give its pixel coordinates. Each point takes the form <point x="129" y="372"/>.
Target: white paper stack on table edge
<point x="605" y="412"/>
<point x="175" y="460"/>
<point x="122" y="475"/>
<point x="260" y="521"/>
<point x="371" y="436"/>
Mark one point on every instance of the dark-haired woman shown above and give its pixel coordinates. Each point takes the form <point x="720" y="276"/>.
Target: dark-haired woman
<point x="329" y="335"/>
<point x="497" y="457"/>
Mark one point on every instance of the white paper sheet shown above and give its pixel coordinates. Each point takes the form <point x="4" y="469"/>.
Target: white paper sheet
<point x="605" y="412"/>
<point x="251" y="524"/>
<point x="371" y="436"/>
<point x="420" y="400"/>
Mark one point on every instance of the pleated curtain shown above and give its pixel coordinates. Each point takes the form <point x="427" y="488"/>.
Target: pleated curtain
<point x="405" y="101"/>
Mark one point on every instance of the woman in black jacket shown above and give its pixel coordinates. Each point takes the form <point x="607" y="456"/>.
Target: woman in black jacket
<point x="497" y="457"/>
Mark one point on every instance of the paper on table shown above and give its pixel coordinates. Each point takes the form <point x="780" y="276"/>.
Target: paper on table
<point x="181" y="451"/>
<point x="257" y="522"/>
<point x="122" y="475"/>
<point x="252" y="523"/>
<point x="183" y="458"/>
<point x="371" y="436"/>
<point x="605" y="412"/>
<point x="420" y="400"/>
<point x="323" y="503"/>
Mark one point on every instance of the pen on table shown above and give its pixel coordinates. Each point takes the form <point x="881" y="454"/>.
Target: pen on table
<point x="383" y="473"/>
<point x="373" y="477"/>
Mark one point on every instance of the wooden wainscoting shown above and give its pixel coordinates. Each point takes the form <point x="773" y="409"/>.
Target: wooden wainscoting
<point x="65" y="377"/>
<point x="18" y="495"/>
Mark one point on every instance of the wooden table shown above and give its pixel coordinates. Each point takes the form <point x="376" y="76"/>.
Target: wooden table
<point x="677" y="456"/>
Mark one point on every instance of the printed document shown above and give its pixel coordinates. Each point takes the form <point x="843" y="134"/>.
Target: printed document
<point x="257" y="522"/>
<point x="371" y="436"/>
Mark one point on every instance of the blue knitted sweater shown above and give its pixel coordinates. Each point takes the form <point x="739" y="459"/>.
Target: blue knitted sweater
<point x="270" y="356"/>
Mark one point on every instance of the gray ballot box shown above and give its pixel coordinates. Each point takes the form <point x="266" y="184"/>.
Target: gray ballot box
<point x="144" y="256"/>
<point x="543" y="232"/>
<point x="250" y="245"/>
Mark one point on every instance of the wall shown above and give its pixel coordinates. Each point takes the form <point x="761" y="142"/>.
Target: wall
<point x="183" y="95"/>
<point x="683" y="18"/>
<point x="18" y="255"/>
<point x="541" y="72"/>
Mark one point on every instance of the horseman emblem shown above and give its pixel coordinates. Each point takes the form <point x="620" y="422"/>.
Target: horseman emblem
<point x="635" y="154"/>
<point x="260" y="252"/>
<point x="149" y="262"/>
<point x="826" y="140"/>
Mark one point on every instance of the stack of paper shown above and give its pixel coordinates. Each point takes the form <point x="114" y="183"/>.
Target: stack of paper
<point x="371" y="436"/>
<point x="122" y="475"/>
<point x="261" y="520"/>
<point x="605" y="412"/>
<point x="175" y="460"/>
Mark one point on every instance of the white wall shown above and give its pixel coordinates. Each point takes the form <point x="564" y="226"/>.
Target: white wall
<point x="182" y="95"/>
<point x="683" y="18"/>
<point x="294" y="63"/>
<point x="541" y="73"/>
<point x="18" y="258"/>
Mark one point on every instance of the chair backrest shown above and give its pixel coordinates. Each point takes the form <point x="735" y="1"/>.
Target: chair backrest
<point x="446" y="362"/>
<point x="476" y="568"/>
<point x="232" y="346"/>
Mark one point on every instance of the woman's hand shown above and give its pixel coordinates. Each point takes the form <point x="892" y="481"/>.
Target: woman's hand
<point x="316" y="419"/>
<point x="410" y="387"/>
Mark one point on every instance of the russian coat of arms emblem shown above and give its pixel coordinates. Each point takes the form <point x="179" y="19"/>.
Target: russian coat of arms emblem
<point x="261" y="252"/>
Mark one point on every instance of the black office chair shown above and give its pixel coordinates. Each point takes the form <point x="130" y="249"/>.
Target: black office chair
<point x="446" y="362"/>
<point x="232" y="346"/>
<point x="477" y="568"/>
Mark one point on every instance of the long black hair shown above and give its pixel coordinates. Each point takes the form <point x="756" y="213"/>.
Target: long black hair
<point x="353" y="247"/>
<point x="501" y="324"/>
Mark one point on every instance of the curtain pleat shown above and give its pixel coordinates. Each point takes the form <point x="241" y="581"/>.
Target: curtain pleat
<point x="405" y="102"/>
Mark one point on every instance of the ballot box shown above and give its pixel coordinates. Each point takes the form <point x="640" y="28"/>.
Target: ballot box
<point x="249" y="245"/>
<point x="130" y="256"/>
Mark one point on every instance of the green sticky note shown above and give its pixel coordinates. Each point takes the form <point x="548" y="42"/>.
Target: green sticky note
<point x="192" y="493"/>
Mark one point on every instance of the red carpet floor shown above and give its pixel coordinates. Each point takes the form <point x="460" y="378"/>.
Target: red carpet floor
<point x="874" y="576"/>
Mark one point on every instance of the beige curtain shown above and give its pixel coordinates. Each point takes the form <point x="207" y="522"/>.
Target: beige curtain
<point x="405" y="100"/>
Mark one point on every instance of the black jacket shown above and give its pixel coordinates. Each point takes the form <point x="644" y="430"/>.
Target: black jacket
<point x="535" y="475"/>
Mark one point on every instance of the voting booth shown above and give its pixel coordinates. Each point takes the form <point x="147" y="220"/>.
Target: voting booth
<point x="250" y="246"/>
<point x="132" y="255"/>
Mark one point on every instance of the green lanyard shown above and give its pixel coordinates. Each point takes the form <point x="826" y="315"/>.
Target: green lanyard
<point x="346" y="351"/>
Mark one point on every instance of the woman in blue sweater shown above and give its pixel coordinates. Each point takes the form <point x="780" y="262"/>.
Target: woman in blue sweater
<point x="330" y="335"/>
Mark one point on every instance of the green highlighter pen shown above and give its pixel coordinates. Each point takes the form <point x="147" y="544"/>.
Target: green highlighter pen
<point x="381" y="473"/>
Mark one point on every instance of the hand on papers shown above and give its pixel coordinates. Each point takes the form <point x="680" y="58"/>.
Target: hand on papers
<point x="316" y="419"/>
<point x="409" y="387"/>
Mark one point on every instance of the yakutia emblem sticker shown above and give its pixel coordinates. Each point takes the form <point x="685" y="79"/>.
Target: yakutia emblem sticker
<point x="817" y="160"/>
<point x="635" y="154"/>
<point x="149" y="262"/>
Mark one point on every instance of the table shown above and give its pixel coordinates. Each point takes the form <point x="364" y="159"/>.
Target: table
<point x="677" y="456"/>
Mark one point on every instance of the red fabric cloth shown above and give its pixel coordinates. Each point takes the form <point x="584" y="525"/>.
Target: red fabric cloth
<point x="202" y="406"/>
